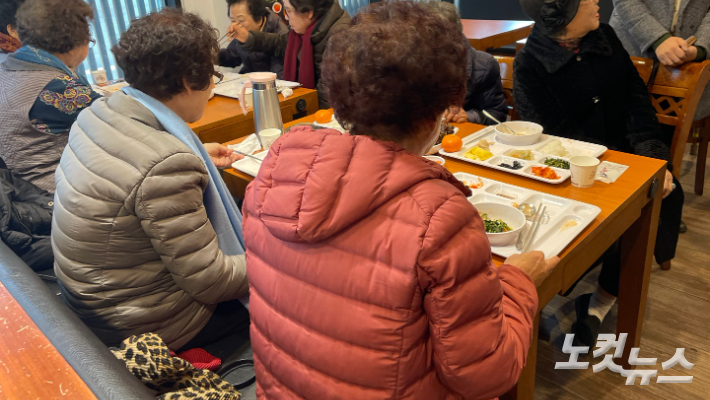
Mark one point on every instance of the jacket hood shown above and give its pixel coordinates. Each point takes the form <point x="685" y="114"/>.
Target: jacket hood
<point x="335" y="15"/>
<point x="273" y="24"/>
<point x="315" y="183"/>
<point x="553" y="56"/>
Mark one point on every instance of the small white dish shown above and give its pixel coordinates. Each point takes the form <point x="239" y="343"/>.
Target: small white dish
<point x="435" y="149"/>
<point x="436" y="159"/>
<point x="527" y="133"/>
<point x="508" y="214"/>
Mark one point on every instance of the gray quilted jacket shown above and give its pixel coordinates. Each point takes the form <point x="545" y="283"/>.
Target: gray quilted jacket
<point x="640" y="23"/>
<point x="134" y="250"/>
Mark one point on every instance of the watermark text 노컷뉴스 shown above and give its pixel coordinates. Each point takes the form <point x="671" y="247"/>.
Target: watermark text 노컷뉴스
<point x="606" y="342"/>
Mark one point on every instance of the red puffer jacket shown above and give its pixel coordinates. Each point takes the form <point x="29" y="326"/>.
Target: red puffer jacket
<point x="371" y="278"/>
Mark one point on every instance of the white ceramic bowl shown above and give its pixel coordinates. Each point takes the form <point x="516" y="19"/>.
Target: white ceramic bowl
<point x="527" y="133"/>
<point x="436" y="159"/>
<point x="510" y="215"/>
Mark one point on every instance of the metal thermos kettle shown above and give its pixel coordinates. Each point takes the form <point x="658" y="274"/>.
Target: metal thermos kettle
<point x="267" y="111"/>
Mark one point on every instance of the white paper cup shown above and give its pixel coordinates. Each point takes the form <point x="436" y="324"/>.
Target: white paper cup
<point x="100" y="77"/>
<point x="269" y="136"/>
<point x="583" y="169"/>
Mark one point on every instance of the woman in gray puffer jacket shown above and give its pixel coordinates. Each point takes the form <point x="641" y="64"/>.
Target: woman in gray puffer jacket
<point x="134" y="243"/>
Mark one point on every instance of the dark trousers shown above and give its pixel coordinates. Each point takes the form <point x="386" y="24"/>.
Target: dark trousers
<point x="230" y="318"/>
<point x="666" y="241"/>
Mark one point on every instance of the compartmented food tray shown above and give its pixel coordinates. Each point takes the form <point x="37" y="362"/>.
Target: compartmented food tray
<point x="533" y="156"/>
<point x="564" y="219"/>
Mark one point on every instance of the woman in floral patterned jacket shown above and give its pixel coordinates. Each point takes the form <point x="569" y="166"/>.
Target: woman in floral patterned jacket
<point x="43" y="91"/>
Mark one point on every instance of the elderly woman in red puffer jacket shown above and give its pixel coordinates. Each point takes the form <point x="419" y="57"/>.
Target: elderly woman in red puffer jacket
<point x="371" y="276"/>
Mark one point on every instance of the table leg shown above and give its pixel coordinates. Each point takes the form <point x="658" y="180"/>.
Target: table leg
<point x="525" y="388"/>
<point x="637" y="246"/>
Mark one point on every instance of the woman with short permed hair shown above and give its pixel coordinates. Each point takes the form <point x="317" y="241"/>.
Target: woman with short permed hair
<point x="146" y="236"/>
<point x="371" y="275"/>
<point x="42" y="87"/>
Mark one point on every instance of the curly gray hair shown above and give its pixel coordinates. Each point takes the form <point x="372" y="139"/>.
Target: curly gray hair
<point x="56" y="26"/>
<point x="446" y="11"/>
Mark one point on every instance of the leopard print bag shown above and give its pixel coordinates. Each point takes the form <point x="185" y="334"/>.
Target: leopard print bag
<point x="173" y="378"/>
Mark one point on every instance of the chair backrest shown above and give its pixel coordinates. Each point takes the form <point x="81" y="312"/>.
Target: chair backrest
<point x="506" y="77"/>
<point x="675" y="94"/>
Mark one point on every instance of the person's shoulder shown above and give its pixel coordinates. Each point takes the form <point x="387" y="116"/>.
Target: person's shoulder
<point x="524" y="59"/>
<point x="274" y="24"/>
<point x="433" y="194"/>
<point x="122" y="121"/>
<point x="343" y="20"/>
<point x="486" y="64"/>
<point x="610" y="35"/>
<point x="607" y="29"/>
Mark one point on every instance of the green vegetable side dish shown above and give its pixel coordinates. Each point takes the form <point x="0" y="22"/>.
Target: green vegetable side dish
<point x="557" y="162"/>
<point x="495" y="225"/>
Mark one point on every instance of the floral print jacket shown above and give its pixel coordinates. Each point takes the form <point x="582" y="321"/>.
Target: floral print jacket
<point x="59" y="103"/>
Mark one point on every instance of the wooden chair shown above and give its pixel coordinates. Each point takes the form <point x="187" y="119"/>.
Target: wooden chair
<point x="675" y="94"/>
<point x="520" y="44"/>
<point x="701" y="137"/>
<point x="506" y="77"/>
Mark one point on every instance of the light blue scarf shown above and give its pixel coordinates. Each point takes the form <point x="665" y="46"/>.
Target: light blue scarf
<point x="39" y="56"/>
<point x="221" y="209"/>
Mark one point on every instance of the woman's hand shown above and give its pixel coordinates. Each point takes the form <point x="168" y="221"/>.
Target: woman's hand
<point x="237" y="31"/>
<point x="534" y="264"/>
<point x="691" y="54"/>
<point x="668" y="185"/>
<point x="456" y="114"/>
<point x="673" y="51"/>
<point x="222" y="156"/>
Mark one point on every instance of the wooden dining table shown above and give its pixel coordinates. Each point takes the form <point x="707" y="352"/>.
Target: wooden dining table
<point x="224" y="120"/>
<point x="630" y="210"/>
<point x="30" y="366"/>
<point x="484" y="34"/>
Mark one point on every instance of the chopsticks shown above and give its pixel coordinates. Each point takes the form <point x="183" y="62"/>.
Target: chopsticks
<point x="222" y="41"/>
<point x="691" y="40"/>
<point x="537" y="220"/>
<point x="259" y="160"/>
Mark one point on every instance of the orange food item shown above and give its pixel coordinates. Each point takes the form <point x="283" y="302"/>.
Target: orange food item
<point x="451" y="143"/>
<point x="324" y="116"/>
<point x="545" y="172"/>
<point x="474" y="185"/>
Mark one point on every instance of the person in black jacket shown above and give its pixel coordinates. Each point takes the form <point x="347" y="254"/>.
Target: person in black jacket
<point x="26" y="219"/>
<point x="252" y="15"/>
<point x="575" y="79"/>
<point x="484" y="89"/>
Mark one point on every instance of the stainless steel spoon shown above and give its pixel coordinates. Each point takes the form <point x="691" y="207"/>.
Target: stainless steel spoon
<point x="528" y="209"/>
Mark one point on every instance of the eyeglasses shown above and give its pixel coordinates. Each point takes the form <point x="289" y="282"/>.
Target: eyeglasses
<point x="219" y="77"/>
<point x="92" y="43"/>
<point x="289" y="11"/>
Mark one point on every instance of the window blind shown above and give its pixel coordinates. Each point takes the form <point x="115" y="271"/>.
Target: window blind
<point x="111" y="19"/>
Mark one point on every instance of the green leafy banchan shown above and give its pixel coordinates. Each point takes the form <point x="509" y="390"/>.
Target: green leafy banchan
<point x="557" y="162"/>
<point x="495" y="225"/>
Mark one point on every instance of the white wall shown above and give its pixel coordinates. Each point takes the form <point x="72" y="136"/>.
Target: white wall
<point x="214" y="11"/>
